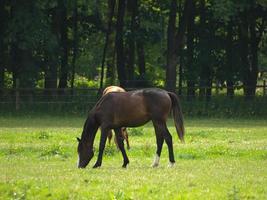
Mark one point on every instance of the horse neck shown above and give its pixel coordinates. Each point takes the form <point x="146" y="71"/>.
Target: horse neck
<point x="89" y="130"/>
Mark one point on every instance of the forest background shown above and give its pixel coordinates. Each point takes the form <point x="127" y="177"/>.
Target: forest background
<point x="56" y="53"/>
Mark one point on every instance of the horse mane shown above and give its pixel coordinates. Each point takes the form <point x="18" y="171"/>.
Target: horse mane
<point x="90" y="124"/>
<point x="91" y="121"/>
<point x="96" y="105"/>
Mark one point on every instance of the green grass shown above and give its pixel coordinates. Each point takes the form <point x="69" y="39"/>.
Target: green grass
<point x="222" y="159"/>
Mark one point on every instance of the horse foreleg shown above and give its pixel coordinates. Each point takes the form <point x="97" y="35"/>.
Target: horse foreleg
<point x="125" y="136"/>
<point x="104" y="133"/>
<point x="119" y="138"/>
<point x="109" y="136"/>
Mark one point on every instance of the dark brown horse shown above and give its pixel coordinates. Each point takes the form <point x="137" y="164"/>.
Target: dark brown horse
<point x="130" y="109"/>
<point x="124" y="133"/>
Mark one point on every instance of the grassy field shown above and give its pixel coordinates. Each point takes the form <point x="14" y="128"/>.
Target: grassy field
<point x="222" y="159"/>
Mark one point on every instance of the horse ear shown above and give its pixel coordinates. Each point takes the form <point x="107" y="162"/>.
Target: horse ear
<point x="78" y="139"/>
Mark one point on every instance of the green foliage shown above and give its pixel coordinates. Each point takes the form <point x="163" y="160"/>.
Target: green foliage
<point x="55" y="150"/>
<point x="135" y="131"/>
<point x="82" y="82"/>
<point x="43" y="135"/>
<point x="33" y="42"/>
<point x="226" y="107"/>
<point x="224" y="10"/>
<point x="109" y="150"/>
<point x="84" y="100"/>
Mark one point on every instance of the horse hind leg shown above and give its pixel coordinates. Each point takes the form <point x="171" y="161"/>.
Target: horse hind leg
<point x="110" y="137"/>
<point x="160" y="140"/>
<point x="168" y="139"/>
<point x="119" y="138"/>
<point x="162" y="133"/>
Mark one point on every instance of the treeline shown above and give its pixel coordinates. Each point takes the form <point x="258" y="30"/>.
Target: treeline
<point x="193" y="43"/>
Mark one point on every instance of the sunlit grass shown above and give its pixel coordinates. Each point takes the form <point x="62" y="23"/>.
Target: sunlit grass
<point x="222" y="159"/>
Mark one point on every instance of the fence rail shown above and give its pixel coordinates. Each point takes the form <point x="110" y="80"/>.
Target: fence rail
<point x="80" y="101"/>
<point x="20" y="96"/>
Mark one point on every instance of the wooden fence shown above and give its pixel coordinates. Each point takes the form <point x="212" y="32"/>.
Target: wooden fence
<point x="15" y="97"/>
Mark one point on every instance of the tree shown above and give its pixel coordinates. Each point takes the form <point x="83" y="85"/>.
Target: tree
<point x="120" y="44"/>
<point x="111" y="4"/>
<point x="139" y="40"/>
<point x="191" y="72"/>
<point x="250" y="33"/>
<point x="64" y="44"/>
<point x="3" y="15"/>
<point x="175" y="41"/>
<point x="74" y="41"/>
<point x="229" y="59"/>
<point x="171" y="43"/>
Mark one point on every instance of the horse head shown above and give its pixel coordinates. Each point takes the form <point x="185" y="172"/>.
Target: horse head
<point x="85" y="153"/>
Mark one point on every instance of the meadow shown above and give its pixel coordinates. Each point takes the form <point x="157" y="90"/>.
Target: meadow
<point x="222" y="159"/>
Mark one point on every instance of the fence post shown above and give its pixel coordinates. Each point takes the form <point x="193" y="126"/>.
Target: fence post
<point x="17" y="95"/>
<point x="264" y="87"/>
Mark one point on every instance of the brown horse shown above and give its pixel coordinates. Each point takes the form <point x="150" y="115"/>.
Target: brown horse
<point x="130" y="109"/>
<point x="123" y="130"/>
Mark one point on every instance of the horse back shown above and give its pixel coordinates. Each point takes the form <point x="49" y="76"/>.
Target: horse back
<point x="158" y="103"/>
<point x="113" y="89"/>
<point x="134" y="108"/>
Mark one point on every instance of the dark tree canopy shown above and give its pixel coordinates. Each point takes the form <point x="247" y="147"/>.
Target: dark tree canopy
<point x="61" y="44"/>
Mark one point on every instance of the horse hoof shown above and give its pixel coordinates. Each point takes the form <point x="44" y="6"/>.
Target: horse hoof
<point x="97" y="165"/>
<point x="154" y="165"/>
<point x="156" y="161"/>
<point x="125" y="164"/>
<point x="171" y="164"/>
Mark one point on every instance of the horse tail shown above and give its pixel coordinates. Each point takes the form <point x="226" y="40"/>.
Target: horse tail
<point x="177" y="115"/>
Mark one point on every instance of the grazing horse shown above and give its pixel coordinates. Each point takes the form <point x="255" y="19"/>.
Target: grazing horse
<point x="123" y="130"/>
<point x="130" y="109"/>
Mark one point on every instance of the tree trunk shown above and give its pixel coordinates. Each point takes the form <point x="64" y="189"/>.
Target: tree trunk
<point x="202" y="35"/>
<point x="191" y="77"/>
<point x="206" y="34"/>
<point x="175" y="42"/>
<point x="254" y="54"/>
<point x="209" y="85"/>
<point x="181" y="60"/>
<point x="2" y="47"/>
<point x="244" y="51"/>
<point x="111" y="4"/>
<point x="119" y="43"/>
<point x="110" y="73"/>
<point x="141" y="64"/>
<point x="140" y="50"/>
<point x="64" y="45"/>
<point x="2" y="73"/>
<point x="51" y="57"/>
<point x="132" y="7"/>
<point x="180" y="82"/>
<point x="249" y="47"/>
<point x="111" y="51"/>
<point x="229" y="60"/>
<point x="130" y="55"/>
<point x="50" y="77"/>
<point x="74" y="42"/>
<point x="171" y="54"/>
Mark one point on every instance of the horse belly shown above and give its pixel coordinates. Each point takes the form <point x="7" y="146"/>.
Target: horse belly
<point x="132" y="116"/>
<point x="135" y="122"/>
